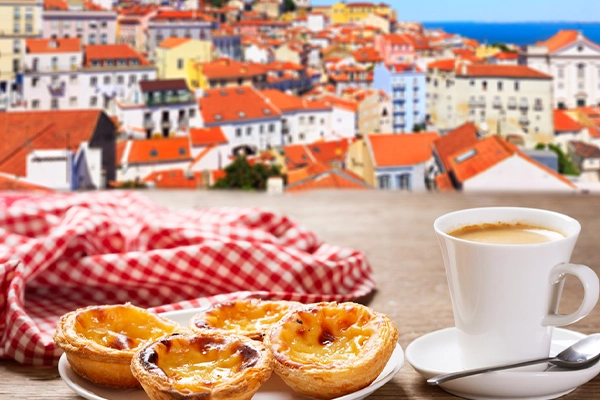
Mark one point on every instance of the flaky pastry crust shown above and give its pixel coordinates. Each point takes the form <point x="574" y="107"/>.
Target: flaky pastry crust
<point x="100" y="341"/>
<point x="328" y="350"/>
<point x="202" y="366"/>
<point x="250" y="317"/>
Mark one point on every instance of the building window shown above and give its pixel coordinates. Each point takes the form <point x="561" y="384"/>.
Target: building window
<point x="561" y="73"/>
<point x="54" y="63"/>
<point x="403" y="181"/>
<point x="28" y="28"/>
<point x="192" y="112"/>
<point x="73" y="101"/>
<point x="311" y="120"/>
<point x="238" y="132"/>
<point x="144" y="77"/>
<point x="261" y="129"/>
<point x="16" y="29"/>
<point x="132" y="79"/>
<point x="16" y="65"/>
<point x="301" y="120"/>
<point x="249" y="131"/>
<point x="301" y="136"/>
<point x="92" y="39"/>
<point x="107" y="80"/>
<point x="180" y="63"/>
<point x="271" y="128"/>
<point x="104" y="24"/>
<point x="484" y="86"/>
<point x="16" y="46"/>
<point x="120" y="79"/>
<point x="17" y="13"/>
<point x="103" y="38"/>
<point x="93" y="81"/>
<point x="516" y="86"/>
<point x="384" y="181"/>
<point x="35" y="104"/>
<point x="581" y="71"/>
<point x="34" y="81"/>
<point x="93" y="101"/>
<point x="73" y="78"/>
<point x="499" y="86"/>
<point x="54" y="104"/>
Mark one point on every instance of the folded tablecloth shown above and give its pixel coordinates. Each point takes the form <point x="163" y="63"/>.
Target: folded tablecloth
<point x="59" y="252"/>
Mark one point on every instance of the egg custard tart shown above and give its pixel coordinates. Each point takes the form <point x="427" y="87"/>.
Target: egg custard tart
<point x="100" y="341"/>
<point x="202" y="366"/>
<point x="328" y="350"/>
<point x="251" y="317"/>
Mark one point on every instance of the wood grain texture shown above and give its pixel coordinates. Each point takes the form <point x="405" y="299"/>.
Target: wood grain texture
<point x="395" y="230"/>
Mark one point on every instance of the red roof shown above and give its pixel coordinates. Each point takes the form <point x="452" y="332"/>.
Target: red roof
<point x="9" y="183"/>
<point x="23" y="132"/>
<point x="463" y="52"/>
<point x="112" y="52"/>
<point x="456" y="140"/>
<point x="367" y="54"/>
<point x="398" y="38"/>
<point x="148" y="151"/>
<point x="172" y="42"/>
<point x="174" y="179"/>
<point x="444" y="183"/>
<point x="207" y="136"/>
<point x="43" y="46"/>
<point x="505" y="71"/>
<point x="561" y="39"/>
<point x="61" y="5"/>
<point x="175" y="15"/>
<point x="443" y="65"/>
<point x="235" y="104"/>
<point x="300" y="155"/>
<point x="564" y="123"/>
<point x="331" y="179"/>
<point x="226" y="68"/>
<point x="505" y="55"/>
<point x="585" y="150"/>
<point x="397" y="150"/>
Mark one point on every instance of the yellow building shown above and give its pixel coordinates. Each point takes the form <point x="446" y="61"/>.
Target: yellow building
<point x="486" y="51"/>
<point x="19" y="20"/>
<point x="343" y="13"/>
<point x="174" y="56"/>
<point x="359" y="161"/>
<point x="224" y="73"/>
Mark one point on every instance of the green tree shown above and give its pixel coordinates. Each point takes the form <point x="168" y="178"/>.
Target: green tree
<point x="289" y="5"/>
<point x="503" y="47"/>
<point x="565" y="165"/>
<point x="241" y="175"/>
<point x="419" y="128"/>
<point x="217" y="3"/>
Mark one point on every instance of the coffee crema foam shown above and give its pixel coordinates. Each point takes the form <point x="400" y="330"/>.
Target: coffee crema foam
<point x="504" y="233"/>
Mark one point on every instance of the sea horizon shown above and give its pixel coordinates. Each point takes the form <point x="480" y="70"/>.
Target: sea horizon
<point x="519" y="33"/>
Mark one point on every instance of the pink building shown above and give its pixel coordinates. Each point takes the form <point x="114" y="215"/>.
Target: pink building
<point x="395" y="48"/>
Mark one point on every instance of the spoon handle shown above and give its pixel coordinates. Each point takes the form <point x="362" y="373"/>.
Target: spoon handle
<point x="436" y="380"/>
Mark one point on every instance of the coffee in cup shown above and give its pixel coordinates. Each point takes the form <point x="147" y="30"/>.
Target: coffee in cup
<point x="506" y="233"/>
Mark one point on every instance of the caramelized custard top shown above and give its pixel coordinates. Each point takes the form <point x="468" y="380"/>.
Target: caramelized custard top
<point x="243" y="316"/>
<point x="121" y="327"/>
<point x="196" y="362"/>
<point x="324" y="335"/>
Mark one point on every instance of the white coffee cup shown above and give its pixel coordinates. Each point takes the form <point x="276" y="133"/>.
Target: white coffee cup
<point x="505" y="296"/>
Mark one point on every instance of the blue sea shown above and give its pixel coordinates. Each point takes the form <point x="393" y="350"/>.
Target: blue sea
<point x="519" y="33"/>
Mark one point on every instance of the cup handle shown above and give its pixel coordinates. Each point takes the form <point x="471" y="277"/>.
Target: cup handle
<point x="590" y="283"/>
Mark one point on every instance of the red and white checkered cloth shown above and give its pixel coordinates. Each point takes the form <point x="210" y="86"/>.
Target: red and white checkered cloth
<point x="59" y="252"/>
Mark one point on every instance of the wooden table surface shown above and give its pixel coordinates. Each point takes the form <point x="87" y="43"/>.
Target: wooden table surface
<point x="395" y="230"/>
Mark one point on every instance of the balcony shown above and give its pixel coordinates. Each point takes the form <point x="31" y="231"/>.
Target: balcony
<point x="524" y="120"/>
<point x="512" y="105"/>
<point x="165" y="124"/>
<point x="148" y="124"/>
<point x="399" y="86"/>
<point x="285" y="129"/>
<point x="497" y="104"/>
<point x="523" y="105"/>
<point x="169" y="99"/>
<point x="57" y="89"/>
<point x="538" y="107"/>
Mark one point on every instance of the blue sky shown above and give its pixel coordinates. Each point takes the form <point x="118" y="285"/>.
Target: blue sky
<point x="500" y="11"/>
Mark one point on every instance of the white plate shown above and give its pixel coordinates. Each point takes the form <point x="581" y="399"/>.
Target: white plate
<point x="437" y="353"/>
<point x="273" y="389"/>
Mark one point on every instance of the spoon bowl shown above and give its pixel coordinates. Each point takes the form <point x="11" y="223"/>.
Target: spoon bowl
<point x="579" y="355"/>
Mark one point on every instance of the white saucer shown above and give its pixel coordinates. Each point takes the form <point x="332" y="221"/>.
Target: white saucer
<point x="437" y="353"/>
<point x="273" y="389"/>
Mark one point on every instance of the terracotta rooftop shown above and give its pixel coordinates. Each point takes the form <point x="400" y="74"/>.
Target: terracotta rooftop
<point x="235" y="104"/>
<point x="149" y="151"/>
<point x="174" y="179"/>
<point x="443" y="65"/>
<point x="398" y="150"/>
<point x="504" y="71"/>
<point x="104" y="53"/>
<point x="61" y="5"/>
<point x="10" y="183"/>
<point x="562" y="39"/>
<point x="564" y="123"/>
<point x="172" y="42"/>
<point x="331" y="179"/>
<point x="207" y="136"/>
<point x="227" y="69"/>
<point x="585" y="150"/>
<point x="44" y="46"/>
<point x="163" y="84"/>
<point x="454" y="141"/>
<point x="301" y="155"/>
<point x="444" y="183"/>
<point x="23" y="132"/>
<point x="505" y="55"/>
<point x="181" y="15"/>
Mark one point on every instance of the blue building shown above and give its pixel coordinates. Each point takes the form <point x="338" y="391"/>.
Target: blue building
<point x="405" y="84"/>
<point x="227" y="45"/>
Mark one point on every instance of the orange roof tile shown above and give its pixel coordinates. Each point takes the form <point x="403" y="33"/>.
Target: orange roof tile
<point x="463" y="52"/>
<point x="298" y="174"/>
<point x="505" y="55"/>
<point x="454" y="141"/>
<point x="505" y="71"/>
<point x="112" y="52"/>
<point x="234" y="104"/>
<point x="182" y="15"/>
<point x="444" y="183"/>
<point x="23" y="132"/>
<point x="585" y="150"/>
<point x="561" y="39"/>
<point x="43" y="46"/>
<point x="149" y="151"/>
<point x="207" y="136"/>
<point x="398" y="38"/>
<point x="172" y="42"/>
<point x="475" y="159"/>
<point x="9" y="183"/>
<point x="301" y="155"/>
<point x="174" y="179"/>
<point x="55" y="5"/>
<point x="229" y="69"/>
<point x="332" y="179"/>
<point x="397" y="150"/>
<point x="443" y="65"/>
<point x="564" y="123"/>
<point x="339" y="103"/>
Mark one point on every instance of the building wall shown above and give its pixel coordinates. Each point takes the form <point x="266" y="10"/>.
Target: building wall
<point x="407" y="91"/>
<point x="151" y="118"/>
<point x="140" y="171"/>
<point x="50" y="168"/>
<point x="173" y="63"/>
<point x="415" y="175"/>
<point x="342" y="13"/>
<point x="249" y="133"/>
<point x="93" y="27"/>
<point x="515" y="174"/>
<point x="343" y="123"/>
<point x="360" y="162"/>
<point x="256" y="54"/>
<point x="454" y="100"/>
<point x="370" y="115"/>
<point x="160" y="30"/>
<point x="306" y="126"/>
<point x="570" y="85"/>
